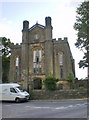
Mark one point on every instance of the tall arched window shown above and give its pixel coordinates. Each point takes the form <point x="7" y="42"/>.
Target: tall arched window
<point x="17" y="68"/>
<point x="37" y="58"/>
<point x="17" y="61"/>
<point x="61" y="59"/>
<point x="61" y="65"/>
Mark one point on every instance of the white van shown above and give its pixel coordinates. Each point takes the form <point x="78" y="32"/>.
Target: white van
<point x="11" y="92"/>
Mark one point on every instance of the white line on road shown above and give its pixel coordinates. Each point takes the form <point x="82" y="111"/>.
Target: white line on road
<point x="56" y="108"/>
<point x="59" y="108"/>
<point x="70" y="106"/>
<point x="78" y="104"/>
<point x="36" y="107"/>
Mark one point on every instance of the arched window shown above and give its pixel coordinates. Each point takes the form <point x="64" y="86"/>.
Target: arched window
<point x="61" y="65"/>
<point x="37" y="58"/>
<point x="17" y="68"/>
<point x="61" y="59"/>
<point x="17" y="61"/>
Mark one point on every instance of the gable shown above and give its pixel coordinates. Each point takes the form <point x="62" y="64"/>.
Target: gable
<point x="36" y="25"/>
<point x="36" y="33"/>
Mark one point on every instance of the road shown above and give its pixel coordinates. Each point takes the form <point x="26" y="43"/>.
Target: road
<point x="45" y="109"/>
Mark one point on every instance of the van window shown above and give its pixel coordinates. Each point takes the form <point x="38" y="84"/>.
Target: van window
<point x="17" y="89"/>
<point x="13" y="90"/>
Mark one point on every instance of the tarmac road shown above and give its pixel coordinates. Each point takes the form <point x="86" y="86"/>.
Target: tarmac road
<point x="45" y="109"/>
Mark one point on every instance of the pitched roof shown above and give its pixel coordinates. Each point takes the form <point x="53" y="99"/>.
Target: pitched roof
<point x="36" y="25"/>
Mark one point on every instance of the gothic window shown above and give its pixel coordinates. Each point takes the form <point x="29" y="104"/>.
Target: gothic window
<point x="61" y="59"/>
<point x="16" y="68"/>
<point x="37" y="61"/>
<point x="17" y="61"/>
<point x="61" y="65"/>
<point x="61" y="72"/>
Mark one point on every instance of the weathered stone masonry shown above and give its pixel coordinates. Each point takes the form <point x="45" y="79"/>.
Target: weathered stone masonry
<point x="39" y="55"/>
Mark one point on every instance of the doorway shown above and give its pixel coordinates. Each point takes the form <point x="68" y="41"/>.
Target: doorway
<point x="37" y="83"/>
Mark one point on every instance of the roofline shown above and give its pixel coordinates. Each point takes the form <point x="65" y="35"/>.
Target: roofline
<point x="39" y="25"/>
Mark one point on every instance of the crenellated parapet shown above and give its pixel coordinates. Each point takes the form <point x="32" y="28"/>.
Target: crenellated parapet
<point x="14" y="46"/>
<point x="60" y="40"/>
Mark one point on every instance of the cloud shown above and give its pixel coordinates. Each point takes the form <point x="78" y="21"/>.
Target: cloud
<point x="46" y="1"/>
<point x="29" y="1"/>
<point x="7" y="30"/>
<point x="75" y="3"/>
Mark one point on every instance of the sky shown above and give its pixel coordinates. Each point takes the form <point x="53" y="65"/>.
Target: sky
<point x="62" y="12"/>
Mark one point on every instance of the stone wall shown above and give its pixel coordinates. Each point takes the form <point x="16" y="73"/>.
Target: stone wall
<point x="58" y="94"/>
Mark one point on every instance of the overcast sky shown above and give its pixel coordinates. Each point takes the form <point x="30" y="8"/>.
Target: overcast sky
<point x="62" y="12"/>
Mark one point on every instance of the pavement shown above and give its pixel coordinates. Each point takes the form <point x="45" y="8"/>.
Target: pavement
<point x="59" y="100"/>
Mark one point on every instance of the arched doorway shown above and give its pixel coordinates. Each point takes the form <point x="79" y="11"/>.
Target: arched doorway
<point x="37" y="83"/>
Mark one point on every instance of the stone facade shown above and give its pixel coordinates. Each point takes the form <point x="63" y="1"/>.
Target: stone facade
<point x="39" y="55"/>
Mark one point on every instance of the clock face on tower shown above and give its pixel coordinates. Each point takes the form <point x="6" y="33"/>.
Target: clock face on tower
<point x="36" y="36"/>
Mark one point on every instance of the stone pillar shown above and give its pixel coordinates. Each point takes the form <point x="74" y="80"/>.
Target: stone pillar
<point x="48" y="58"/>
<point x="25" y="54"/>
<point x="25" y="32"/>
<point x="48" y="28"/>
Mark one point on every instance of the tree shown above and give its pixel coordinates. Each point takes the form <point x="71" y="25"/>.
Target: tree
<point x="82" y="28"/>
<point x="5" y="58"/>
<point x="50" y="82"/>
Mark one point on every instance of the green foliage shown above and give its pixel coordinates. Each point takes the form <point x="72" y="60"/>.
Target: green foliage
<point x="6" y="46"/>
<point x="82" y="28"/>
<point x="5" y="58"/>
<point x="50" y="83"/>
<point x="71" y="77"/>
<point x="71" y="80"/>
<point x="5" y="69"/>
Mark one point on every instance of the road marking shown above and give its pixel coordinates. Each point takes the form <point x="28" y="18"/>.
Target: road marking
<point x="55" y="108"/>
<point x="43" y="107"/>
<point x="59" y="108"/>
<point x="29" y="106"/>
<point x="48" y="107"/>
<point x="37" y="107"/>
<point x="78" y="104"/>
<point x="70" y="106"/>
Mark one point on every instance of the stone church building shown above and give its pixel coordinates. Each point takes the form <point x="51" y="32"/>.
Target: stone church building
<point x="39" y="55"/>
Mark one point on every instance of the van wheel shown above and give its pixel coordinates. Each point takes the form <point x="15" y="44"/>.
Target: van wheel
<point x="17" y="100"/>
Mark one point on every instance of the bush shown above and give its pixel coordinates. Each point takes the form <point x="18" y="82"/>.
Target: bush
<point x="71" y="80"/>
<point x="50" y="83"/>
